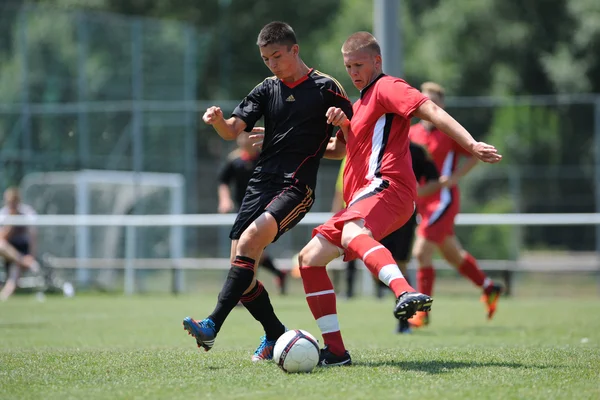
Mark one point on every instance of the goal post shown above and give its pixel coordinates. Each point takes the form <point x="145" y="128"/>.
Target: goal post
<point x="106" y="194"/>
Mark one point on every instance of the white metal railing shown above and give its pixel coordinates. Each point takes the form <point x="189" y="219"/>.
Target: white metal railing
<point x="178" y="263"/>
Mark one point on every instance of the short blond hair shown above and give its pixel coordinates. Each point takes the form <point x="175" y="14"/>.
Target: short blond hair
<point x="12" y="193"/>
<point x="361" y="41"/>
<point x="434" y="88"/>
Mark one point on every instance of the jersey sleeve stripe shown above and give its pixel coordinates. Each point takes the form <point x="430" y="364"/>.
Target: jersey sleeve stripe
<point x="338" y="84"/>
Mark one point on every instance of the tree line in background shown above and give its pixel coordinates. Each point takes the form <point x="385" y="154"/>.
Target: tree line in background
<point x="473" y="48"/>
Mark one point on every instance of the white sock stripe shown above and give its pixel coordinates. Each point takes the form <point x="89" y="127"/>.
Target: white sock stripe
<point x="389" y="273"/>
<point x="321" y="293"/>
<point x="372" y="249"/>
<point x="486" y="282"/>
<point x="328" y="323"/>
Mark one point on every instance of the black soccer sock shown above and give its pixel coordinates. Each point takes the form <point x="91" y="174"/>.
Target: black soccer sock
<point x="350" y="278"/>
<point x="268" y="263"/>
<point x="257" y="302"/>
<point x="239" y="278"/>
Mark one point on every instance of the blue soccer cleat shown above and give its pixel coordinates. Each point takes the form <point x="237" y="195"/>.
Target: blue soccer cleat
<point x="203" y="331"/>
<point x="264" y="351"/>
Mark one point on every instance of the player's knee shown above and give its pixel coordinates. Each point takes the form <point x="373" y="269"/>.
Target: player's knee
<point x="251" y="244"/>
<point x="306" y="256"/>
<point x="454" y="256"/>
<point x="349" y="234"/>
<point x="317" y="252"/>
<point x="423" y="255"/>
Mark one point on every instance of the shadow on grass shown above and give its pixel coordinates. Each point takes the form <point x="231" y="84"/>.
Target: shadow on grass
<point x="471" y="330"/>
<point x="441" y="367"/>
<point x="21" y="325"/>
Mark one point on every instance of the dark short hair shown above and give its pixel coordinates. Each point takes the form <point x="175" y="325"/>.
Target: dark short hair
<point x="276" y="33"/>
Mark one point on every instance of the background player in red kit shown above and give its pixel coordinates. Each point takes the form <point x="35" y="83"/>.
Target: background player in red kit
<point x="436" y="230"/>
<point x="379" y="187"/>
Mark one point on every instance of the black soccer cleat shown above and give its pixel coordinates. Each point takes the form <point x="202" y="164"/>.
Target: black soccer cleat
<point x="409" y="303"/>
<point x="328" y="359"/>
<point x="403" y="327"/>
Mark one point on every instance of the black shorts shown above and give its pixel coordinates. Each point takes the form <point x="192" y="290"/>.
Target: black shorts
<point x="21" y="245"/>
<point x="400" y="242"/>
<point x="287" y="200"/>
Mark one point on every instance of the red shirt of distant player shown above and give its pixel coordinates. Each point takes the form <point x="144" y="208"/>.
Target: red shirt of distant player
<point x="439" y="209"/>
<point x="379" y="182"/>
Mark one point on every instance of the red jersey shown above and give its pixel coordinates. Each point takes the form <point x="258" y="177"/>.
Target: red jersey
<point x="445" y="153"/>
<point x="378" y="154"/>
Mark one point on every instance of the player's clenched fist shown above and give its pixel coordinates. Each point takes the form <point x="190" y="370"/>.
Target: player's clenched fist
<point x="335" y="116"/>
<point x="212" y="115"/>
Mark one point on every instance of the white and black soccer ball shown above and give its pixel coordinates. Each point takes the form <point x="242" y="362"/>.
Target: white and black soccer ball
<point x="296" y="351"/>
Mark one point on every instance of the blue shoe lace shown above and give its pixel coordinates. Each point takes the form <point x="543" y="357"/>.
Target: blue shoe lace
<point x="263" y="344"/>
<point x="207" y="323"/>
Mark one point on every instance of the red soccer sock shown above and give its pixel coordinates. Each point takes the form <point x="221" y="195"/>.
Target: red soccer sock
<point x="469" y="269"/>
<point x="321" y="300"/>
<point x="425" y="279"/>
<point x="380" y="262"/>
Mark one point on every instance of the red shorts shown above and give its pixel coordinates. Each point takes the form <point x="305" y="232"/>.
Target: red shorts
<point x="383" y="213"/>
<point x="437" y="221"/>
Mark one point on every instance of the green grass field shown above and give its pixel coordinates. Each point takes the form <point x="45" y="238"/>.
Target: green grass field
<point x="114" y="347"/>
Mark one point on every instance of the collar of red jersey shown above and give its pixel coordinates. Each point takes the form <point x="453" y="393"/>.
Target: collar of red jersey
<point x="364" y="90"/>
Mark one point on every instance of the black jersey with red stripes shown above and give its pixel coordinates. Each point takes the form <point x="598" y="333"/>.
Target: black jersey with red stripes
<point x="296" y="129"/>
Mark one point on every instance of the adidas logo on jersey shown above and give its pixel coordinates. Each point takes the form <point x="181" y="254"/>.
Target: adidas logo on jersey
<point x="290" y="98"/>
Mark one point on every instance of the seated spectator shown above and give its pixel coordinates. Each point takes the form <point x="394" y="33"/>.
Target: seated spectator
<point x="17" y="243"/>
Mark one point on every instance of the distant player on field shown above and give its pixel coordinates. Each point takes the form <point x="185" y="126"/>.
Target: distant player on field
<point x="379" y="188"/>
<point x="235" y="174"/>
<point x="436" y="230"/>
<point x="17" y="243"/>
<point x="294" y="104"/>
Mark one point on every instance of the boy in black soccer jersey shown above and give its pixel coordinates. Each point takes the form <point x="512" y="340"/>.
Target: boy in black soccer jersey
<point x="235" y="174"/>
<point x="295" y="104"/>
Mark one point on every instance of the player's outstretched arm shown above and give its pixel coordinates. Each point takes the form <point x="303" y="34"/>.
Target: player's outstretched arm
<point x="444" y="122"/>
<point x="228" y="129"/>
<point x="462" y="170"/>
<point x="428" y="188"/>
<point x="225" y="201"/>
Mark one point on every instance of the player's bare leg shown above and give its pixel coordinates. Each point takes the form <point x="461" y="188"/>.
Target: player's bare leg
<point x="423" y="251"/>
<point x="466" y="264"/>
<point x="267" y="262"/>
<point x="14" y="272"/>
<point x="321" y="298"/>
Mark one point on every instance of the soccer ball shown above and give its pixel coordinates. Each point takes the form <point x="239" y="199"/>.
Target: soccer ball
<point x="296" y="351"/>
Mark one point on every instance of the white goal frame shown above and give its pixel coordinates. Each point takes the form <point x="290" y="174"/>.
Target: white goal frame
<point x="83" y="180"/>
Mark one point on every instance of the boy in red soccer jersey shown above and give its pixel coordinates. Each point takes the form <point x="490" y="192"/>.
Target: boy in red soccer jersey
<point x="436" y="230"/>
<point x="379" y="187"/>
